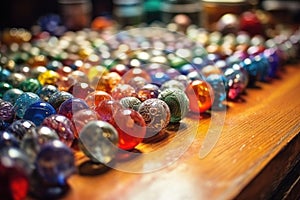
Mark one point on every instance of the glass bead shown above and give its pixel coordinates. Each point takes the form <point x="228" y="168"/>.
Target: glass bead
<point x="183" y="79"/>
<point x="98" y="140"/>
<point x="172" y="84"/>
<point x="120" y="69"/>
<point x="46" y="92"/>
<point x="177" y="102"/>
<point x="131" y="128"/>
<point x="4" y="74"/>
<point x="71" y="106"/>
<point x="201" y="96"/>
<point x="52" y="168"/>
<point x="159" y="78"/>
<point x="80" y="90"/>
<point x="38" y="60"/>
<point x="46" y="134"/>
<point x="58" y="98"/>
<point x="7" y="112"/>
<point x="122" y="90"/>
<point x="82" y="117"/>
<point x="63" y="127"/>
<point x="48" y="77"/>
<point x="210" y="69"/>
<point x="64" y="83"/>
<point x="252" y="70"/>
<point x="95" y="72"/>
<point x="35" y="72"/>
<point x="8" y="140"/>
<point x="135" y="72"/>
<point x="79" y="76"/>
<point x="30" y="85"/>
<point x="274" y="61"/>
<point x="93" y="99"/>
<point x="263" y="67"/>
<point x="24" y="101"/>
<point x="106" y="110"/>
<point x="15" y="79"/>
<point x="148" y="91"/>
<point x="38" y="111"/>
<point x="108" y="82"/>
<point x="14" y="174"/>
<point x="137" y="82"/>
<point x="186" y="68"/>
<point x="20" y="128"/>
<point x="171" y="72"/>
<point x="4" y="87"/>
<point x="130" y="102"/>
<point x="156" y="114"/>
<point x="54" y="65"/>
<point x="219" y="85"/>
<point x="11" y="95"/>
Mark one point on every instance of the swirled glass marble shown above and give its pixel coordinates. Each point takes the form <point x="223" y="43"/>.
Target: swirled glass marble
<point x="24" y="101"/>
<point x="58" y="98"/>
<point x="130" y="102"/>
<point x="46" y="92"/>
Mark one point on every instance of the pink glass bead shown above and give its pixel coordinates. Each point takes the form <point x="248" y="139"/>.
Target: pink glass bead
<point x="106" y="110"/>
<point x="80" y="90"/>
<point x="122" y="90"/>
<point x="93" y="99"/>
<point x="82" y="117"/>
<point x="135" y="72"/>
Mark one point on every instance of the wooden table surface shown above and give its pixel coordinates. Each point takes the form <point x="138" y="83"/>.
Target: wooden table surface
<point x="257" y="147"/>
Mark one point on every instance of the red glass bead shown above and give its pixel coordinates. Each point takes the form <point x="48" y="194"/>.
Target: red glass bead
<point x="122" y="90"/>
<point x="201" y="96"/>
<point x="106" y="110"/>
<point x="250" y="23"/>
<point x="93" y="99"/>
<point x="131" y="128"/>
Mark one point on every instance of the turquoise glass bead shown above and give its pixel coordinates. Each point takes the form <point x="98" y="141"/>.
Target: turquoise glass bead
<point x="11" y="95"/>
<point x="24" y="101"/>
<point x="4" y="87"/>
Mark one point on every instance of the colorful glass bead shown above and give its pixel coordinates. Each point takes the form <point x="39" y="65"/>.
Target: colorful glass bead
<point x="80" y="90"/>
<point x="38" y="111"/>
<point x="122" y="90"/>
<point x="14" y="174"/>
<point x="30" y="85"/>
<point x="45" y="134"/>
<point x="8" y="140"/>
<point x="148" y="91"/>
<point x="78" y="76"/>
<point x="58" y="98"/>
<point x="137" y="82"/>
<point x="71" y="106"/>
<point x="93" y="99"/>
<point x="7" y="112"/>
<point x="273" y="60"/>
<point x="63" y="127"/>
<point x="219" y="85"/>
<point x="159" y="78"/>
<point x="106" y="110"/>
<point x="130" y="102"/>
<point x="82" y="117"/>
<point x="131" y="128"/>
<point x="64" y="83"/>
<point x="48" y="77"/>
<point x="263" y="67"/>
<point x="108" y="82"/>
<point x="98" y="140"/>
<point x="183" y="79"/>
<point x="177" y="101"/>
<point x="201" y="96"/>
<point x="20" y="128"/>
<point x="156" y="114"/>
<point x="172" y="84"/>
<point x="46" y="92"/>
<point x="210" y="69"/>
<point x="120" y="69"/>
<point x="15" y="79"/>
<point x="52" y="168"/>
<point x="24" y="101"/>
<point x="4" y="87"/>
<point x="35" y="72"/>
<point x="11" y="95"/>
<point x="96" y="72"/>
<point x="135" y="72"/>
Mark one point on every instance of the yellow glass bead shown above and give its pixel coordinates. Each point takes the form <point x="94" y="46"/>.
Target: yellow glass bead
<point x="108" y="82"/>
<point x="95" y="72"/>
<point x="48" y="77"/>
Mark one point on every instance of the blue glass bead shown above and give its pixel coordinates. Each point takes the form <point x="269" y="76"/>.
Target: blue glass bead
<point x="54" y="65"/>
<point x="8" y="140"/>
<point x="38" y="111"/>
<point x="20" y="128"/>
<point x="58" y="98"/>
<point x="12" y="95"/>
<point x="159" y="78"/>
<point x="194" y="75"/>
<point x="186" y="69"/>
<point x="252" y="69"/>
<point x="7" y="113"/>
<point x="71" y="106"/>
<point x="4" y="87"/>
<point x="220" y="88"/>
<point x="199" y="62"/>
<point x="24" y="101"/>
<point x="52" y="168"/>
<point x="46" y="92"/>
<point x="263" y="67"/>
<point x="98" y="140"/>
<point x="30" y="85"/>
<point x="274" y="61"/>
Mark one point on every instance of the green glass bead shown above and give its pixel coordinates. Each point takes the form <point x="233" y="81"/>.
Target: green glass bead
<point x="30" y="85"/>
<point x="4" y="87"/>
<point x="177" y="62"/>
<point x="177" y="101"/>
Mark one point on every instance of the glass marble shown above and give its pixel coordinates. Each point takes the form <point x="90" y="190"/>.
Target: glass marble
<point x="136" y="72"/>
<point x="71" y="106"/>
<point x="48" y="77"/>
<point x="159" y="78"/>
<point x="80" y="90"/>
<point x="38" y="111"/>
<point x="46" y="92"/>
<point x="186" y="68"/>
<point x="98" y="140"/>
<point x="183" y="79"/>
<point x="24" y="101"/>
<point x="4" y="87"/>
<point x="106" y="110"/>
<point x="172" y="84"/>
<point x="30" y="85"/>
<point x="148" y="91"/>
<point x="11" y="95"/>
<point x="82" y="117"/>
<point x="64" y="83"/>
<point x="15" y="79"/>
<point x="220" y="88"/>
<point x="58" y="98"/>
<point x="137" y="82"/>
<point x="63" y="127"/>
<point x="120" y="69"/>
<point x="177" y="102"/>
<point x="93" y="99"/>
<point x="122" y="90"/>
<point x="52" y="168"/>
<point x="263" y="68"/>
<point x="108" y="82"/>
<point x="156" y="114"/>
<point x="130" y="102"/>
<point x="7" y="112"/>
<point x="271" y="55"/>
<point x="8" y="140"/>
<point x="131" y="128"/>
<point x="20" y="128"/>
<point x="201" y="96"/>
<point x="45" y="134"/>
<point x="252" y="70"/>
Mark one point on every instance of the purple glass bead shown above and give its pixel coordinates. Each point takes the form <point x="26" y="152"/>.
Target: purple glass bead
<point x="52" y="168"/>
<point x="38" y="111"/>
<point x="273" y="60"/>
<point x="24" y="101"/>
<point x="8" y="140"/>
<point x="58" y="98"/>
<point x="7" y="112"/>
<point x="20" y="128"/>
<point x="46" y="92"/>
<point x="71" y="106"/>
<point x="171" y="72"/>
<point x="63" y="127"/>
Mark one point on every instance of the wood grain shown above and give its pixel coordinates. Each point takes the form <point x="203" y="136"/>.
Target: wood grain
<point x="254" y="133"/>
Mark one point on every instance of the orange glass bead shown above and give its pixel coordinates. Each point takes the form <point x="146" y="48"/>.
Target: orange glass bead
<point x="48" y="77"/>
<point x="108" y="82"/>
<point x="93" y="99"/>
<point x="136" y="72"/>
<point x="201" y="96"/>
